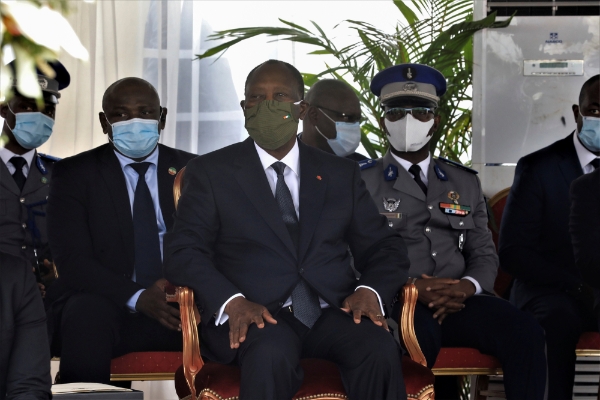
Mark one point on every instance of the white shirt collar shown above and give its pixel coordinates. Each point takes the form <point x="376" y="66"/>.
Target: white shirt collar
<point x="291" y="159"/>
<point x="407" y="164"/>
<point x="6" y="155"/>
<point x="124" y="161"/>
<point x="584" y="155"/>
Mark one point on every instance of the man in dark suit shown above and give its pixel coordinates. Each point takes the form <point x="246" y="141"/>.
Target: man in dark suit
<point x="262" y="234"/>
<point x="332" y="120"/>
<point x="106" y="227"/>
<point x="584" y="226"/>
<point x="24" y="355"/>
<point x="535" y="246"/>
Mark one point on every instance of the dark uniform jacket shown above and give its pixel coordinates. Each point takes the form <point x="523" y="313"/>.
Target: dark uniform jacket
<point x="24" y="350"/>
<point x="535" y="245"/>
<point x="229" y="236"/>
<point x="90" y="225"/>
<point x="23" y="213"/>
<point x="439" y="244"/>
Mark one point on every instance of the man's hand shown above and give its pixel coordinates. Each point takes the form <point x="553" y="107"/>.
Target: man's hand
<point x="364" y="302"/>
<point x="153" y="303"/>
<point x="445" y="296"/>
<point x="242" y="313"/>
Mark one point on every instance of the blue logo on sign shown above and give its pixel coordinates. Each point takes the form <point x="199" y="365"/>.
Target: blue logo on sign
<point x="554" y="38"/>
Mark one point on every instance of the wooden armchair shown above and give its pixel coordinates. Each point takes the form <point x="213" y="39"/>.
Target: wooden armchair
<point x="197" y="379"/>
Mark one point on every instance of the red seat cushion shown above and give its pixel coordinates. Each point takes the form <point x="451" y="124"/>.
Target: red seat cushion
<point x="321" y="377"/>
<point x="589" y="341"/>
<point x="150" y="362"/>
<point x="464" y="357"/>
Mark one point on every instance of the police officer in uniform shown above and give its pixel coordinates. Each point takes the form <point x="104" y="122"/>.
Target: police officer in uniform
<point x="25" y="174"/>
<point x="438" y="208"/>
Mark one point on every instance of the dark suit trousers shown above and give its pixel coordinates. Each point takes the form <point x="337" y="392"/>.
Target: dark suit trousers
<point x="495" y="327"/>
<point x="94" y="330"/>
<point x="367" y="355"/>
<point x="564" y="320"/>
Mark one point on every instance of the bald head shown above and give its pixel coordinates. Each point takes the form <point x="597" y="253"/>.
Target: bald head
<point x="329" y="91"/>
<point x="127" y="86"/>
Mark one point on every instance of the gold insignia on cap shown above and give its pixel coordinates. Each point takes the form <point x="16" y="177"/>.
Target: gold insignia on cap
<point x="173" y="171"/>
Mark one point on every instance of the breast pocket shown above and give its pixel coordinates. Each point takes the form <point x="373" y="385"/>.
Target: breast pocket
<point x="396" y="220"/>
<point x="465" y="222"/>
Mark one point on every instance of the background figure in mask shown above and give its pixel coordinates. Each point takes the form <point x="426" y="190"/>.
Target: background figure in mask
<point x="26" y="175"/>
<point x="438" y="208"/>
<point x="332" y="121"/>
<point x="535" y="245"/>
<point x="262" y="234"/>
<point x="108" y="211"/>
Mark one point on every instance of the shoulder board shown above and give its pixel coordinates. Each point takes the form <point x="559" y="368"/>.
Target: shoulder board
<point x="47" y="157"/>
<point x="458" y="165"/>
<point x="366" y="164"/>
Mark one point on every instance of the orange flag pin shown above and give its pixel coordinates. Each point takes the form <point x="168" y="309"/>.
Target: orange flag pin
<point x="319" y="177"/>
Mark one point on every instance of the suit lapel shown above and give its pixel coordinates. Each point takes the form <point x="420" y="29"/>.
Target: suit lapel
<point x="404" y="182"/>
<point x="7" y="181"/>
<point x="253" y="181"/>
<point x="312" y="196"/>
<point x="165" y="184"/>
<point x="111" y="172"/>
<point x="569" y="162"/>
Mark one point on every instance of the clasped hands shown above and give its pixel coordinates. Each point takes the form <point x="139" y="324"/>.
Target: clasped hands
<point x="444" y="295"/>
<point x="242" y="313"/>
<point x="153" y="303"/>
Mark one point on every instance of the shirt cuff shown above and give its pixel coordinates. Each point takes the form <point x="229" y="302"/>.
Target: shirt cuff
<point x="477" y="286"/>
<point x="132" y="302"/>
<point x="377" y="294"/>
<point x="222" y="316"/>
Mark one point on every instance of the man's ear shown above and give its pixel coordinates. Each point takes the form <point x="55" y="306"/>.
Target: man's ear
<point x="163" y="119"/>
<point x="575" y="109"/>
<point x="304" y="107"/>
<point x="103" y="122"/>
<point x="312" y="115"/>
<point x="3" y="110"/>
<point x="436" y="123"/>
<point x="242" y="104"/>
<point x="382" y="125"/>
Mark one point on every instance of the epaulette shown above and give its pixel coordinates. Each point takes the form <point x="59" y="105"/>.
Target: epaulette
<point x="458" y="165"/>
<point x="48" y="157"/>
<point x="366" y="164"/>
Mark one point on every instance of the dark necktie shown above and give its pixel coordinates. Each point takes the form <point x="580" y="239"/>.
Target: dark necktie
<point x="148" y="261"/>
<point x="305" y="301"/>
<point x="595" y="163"/>
<point x="18" y="176"/>
<point x="416" y="171"/>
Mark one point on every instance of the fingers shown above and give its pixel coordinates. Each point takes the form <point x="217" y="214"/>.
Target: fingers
<point x="357" y="313"/>
<point x="244" y="330"/>
<point x="439" y="312"/>
<point x="234" y="334"/>
<point x="442" y="318"/>
<point x="376" y="317"/>
<point x="439" y="302"/>
<point x="450" y="293"/>
<point x="268" y="317"/>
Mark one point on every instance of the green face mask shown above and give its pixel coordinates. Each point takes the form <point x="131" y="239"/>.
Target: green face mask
<point x="271" y="123"/>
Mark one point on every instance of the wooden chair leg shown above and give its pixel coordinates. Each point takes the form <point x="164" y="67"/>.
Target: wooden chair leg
<point x="479" y="385"/>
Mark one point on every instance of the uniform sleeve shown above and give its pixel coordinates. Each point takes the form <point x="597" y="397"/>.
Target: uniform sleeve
<point x="481" y="260"/>
<point x="29" y="366"/>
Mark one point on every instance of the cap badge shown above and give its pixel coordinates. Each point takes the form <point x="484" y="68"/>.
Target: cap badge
<point x="410" y="87"/>
<point x="452" y="195"/>
<point x="391" y="204"/>
<point x="43" y="83"/>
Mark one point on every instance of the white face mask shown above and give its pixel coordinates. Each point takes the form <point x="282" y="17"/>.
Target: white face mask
<point x="347" y="137"/>
<point x="408" y="134"/>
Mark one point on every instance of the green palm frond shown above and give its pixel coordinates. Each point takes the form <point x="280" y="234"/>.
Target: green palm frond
<point x="438" y="33"/>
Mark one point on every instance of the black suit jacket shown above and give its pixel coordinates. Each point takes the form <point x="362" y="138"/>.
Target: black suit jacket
<point x="229" y="236"/>
<point x="585" y="226"/>
<point x="24" y="350"/>
<point x="90" y="226"/>
<point x="535" y="246"/>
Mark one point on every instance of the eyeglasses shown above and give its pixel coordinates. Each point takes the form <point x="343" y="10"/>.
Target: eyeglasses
<point x="343" y="117"/>
<point x="423" y="114"/>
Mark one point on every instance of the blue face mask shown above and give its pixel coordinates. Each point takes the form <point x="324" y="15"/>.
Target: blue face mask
<point x="590" y="133"/>
<point x="347" y="137"/>
<point x="135" y="138"/>
<point x="32" y="129"/>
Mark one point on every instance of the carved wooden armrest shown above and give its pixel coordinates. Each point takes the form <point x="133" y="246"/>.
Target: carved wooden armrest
<point x="190" y="318"/>
<point x="406" y="322"/>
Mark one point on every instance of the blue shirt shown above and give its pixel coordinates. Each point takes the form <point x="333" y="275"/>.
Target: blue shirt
<point x="131" y="179"/>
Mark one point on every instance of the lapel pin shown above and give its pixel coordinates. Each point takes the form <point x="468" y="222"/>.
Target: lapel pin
<point x="319" y="177"/>
<point x="452" y="195"/>
<point x="44" y="179"/>
<point x="391" y="204"/>
<point x="172" y="171"/>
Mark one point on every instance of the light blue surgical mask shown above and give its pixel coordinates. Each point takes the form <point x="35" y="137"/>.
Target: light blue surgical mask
<point x="135" y="138"/>
<point x="590" y="133"/>
<point x="32" y="129"/>
<point x="347" y="137"/>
